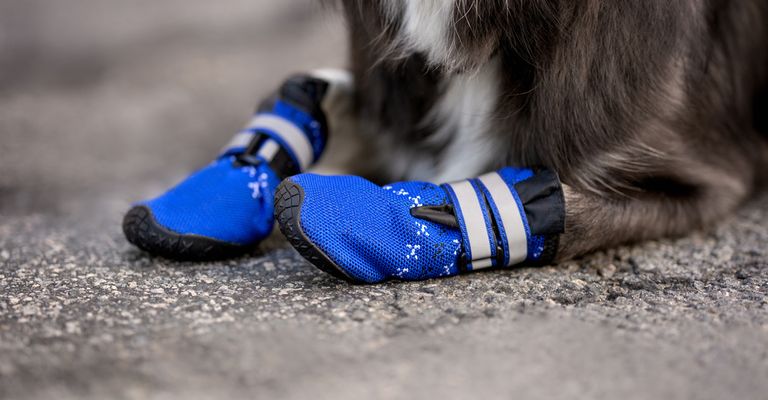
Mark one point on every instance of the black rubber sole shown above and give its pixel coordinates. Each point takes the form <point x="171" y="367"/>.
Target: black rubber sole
<point x="289" y="198"/>
<point x="142" y="230"/>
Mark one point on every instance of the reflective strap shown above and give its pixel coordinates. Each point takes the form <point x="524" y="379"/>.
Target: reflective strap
<point x="268" y="150"/>
<point x="240" y="141"/>
<point x="473" y="223"/>
<point x="511" y="218"/>
<point x="297" y="143"/>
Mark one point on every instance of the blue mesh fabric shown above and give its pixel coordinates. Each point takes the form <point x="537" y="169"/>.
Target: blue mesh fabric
<point x="220" y="201"/>
<point x="535" y="248"/>
<point x="227" y="202"/>
<point x="369" y="232"/>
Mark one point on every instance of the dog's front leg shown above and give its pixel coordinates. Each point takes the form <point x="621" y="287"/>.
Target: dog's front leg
<point x="599" y="220"/>
<point x="346" y="152"/>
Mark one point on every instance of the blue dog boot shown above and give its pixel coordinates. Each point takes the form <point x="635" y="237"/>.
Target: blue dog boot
<point x="364" y="233"/>
<point x="226" y="208"/>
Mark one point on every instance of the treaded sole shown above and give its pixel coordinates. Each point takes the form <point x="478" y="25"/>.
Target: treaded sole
<point x="141" y="229"/>
<point x="289" y="198"/>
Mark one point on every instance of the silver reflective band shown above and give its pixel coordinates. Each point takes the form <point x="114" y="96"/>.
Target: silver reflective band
<point x="268" y="150"/>
<point x="474" y="221"/>
<point x="511" y="218"/>
<point x="290" y="134"/>
<point x="242" y="139"/>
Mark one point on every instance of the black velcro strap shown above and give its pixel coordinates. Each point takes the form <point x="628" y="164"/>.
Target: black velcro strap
<point x="543" y="202"/>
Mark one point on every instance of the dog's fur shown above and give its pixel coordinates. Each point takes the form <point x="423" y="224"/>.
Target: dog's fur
<point x="653" y="112"/>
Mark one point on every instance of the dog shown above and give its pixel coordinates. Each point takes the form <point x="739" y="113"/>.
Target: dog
<point x="593" y="123"/>
<point x="654" y="113"/>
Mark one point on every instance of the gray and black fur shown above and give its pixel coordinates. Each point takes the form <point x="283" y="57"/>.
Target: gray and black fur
<point x="654" y="113"/>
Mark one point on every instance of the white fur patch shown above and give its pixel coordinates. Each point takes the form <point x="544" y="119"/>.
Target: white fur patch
<point x="425" y="26"/>
<point x="466" y="112"/>
<point x="463" y="115"/>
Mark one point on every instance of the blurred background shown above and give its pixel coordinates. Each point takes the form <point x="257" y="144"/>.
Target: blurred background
<point x="104" y="102"/>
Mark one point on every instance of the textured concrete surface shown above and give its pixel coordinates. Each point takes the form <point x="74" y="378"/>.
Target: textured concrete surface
<point x="105" y="102"/>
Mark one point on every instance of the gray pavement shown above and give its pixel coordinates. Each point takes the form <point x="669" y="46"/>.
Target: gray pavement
<point x="106" y="102"/>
